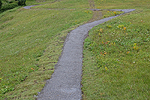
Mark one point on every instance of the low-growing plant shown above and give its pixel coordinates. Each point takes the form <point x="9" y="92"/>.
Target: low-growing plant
<point x="8" y="6"/>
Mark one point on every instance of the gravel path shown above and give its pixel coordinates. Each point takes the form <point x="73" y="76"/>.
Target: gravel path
<point x="28" y="7"/>
<point x="65" y="81"/>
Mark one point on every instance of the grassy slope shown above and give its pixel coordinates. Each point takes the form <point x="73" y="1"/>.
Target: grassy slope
<point x="31" y="42"/>
<point x="116" y="54"/>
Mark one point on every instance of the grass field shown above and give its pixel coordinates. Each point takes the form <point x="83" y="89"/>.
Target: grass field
<point x="31" y="42"/>
<point x="117" y="54"/>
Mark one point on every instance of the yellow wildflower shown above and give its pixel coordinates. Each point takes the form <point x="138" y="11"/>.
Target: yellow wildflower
<point x="101" y="30"/>
<point x="106" y="68"/>
<point x="128" y="52"/>
<point x="114" y="43"/>
<point x="105" y="53"/>
<point x="32" y="69"/>
<point x="120" y="26"/>
<point x="136" y="48"/>
<point x="134" y="44"/>
<point x="115" y="13"/>
<point x="98" y="7"/>
<point x="99" y="34"/>
<point x="124" y="28"/>
<point x="109" y="26"/>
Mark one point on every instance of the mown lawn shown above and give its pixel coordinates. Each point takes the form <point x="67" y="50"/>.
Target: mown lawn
<point x="117" y="55"/>
<point x="31" y="42"/>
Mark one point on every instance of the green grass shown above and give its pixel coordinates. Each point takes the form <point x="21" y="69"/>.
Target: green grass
<point x="122" y="4"/>
<point x="39" y="2"/>
<point x="117" y="57"/>
<point x="31" y="42"/>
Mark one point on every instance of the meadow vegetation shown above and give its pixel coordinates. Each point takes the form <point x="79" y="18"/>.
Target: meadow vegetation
<point x="117" y="54"/>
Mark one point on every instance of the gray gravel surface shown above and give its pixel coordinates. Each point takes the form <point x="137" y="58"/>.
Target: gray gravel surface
<point x="65" y="81"/>
<point x="28" y="7"/>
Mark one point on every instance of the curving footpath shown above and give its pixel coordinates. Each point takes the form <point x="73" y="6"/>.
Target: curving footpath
<point x="29" y="7"/>
<point x="65" y="81"/>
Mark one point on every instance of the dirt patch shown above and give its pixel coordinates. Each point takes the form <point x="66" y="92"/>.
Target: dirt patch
<point x="92" y="4"/>
<point x="97" y="14"/>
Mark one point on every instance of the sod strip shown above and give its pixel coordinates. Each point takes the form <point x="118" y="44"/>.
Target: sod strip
<point x="65" y="81"/>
